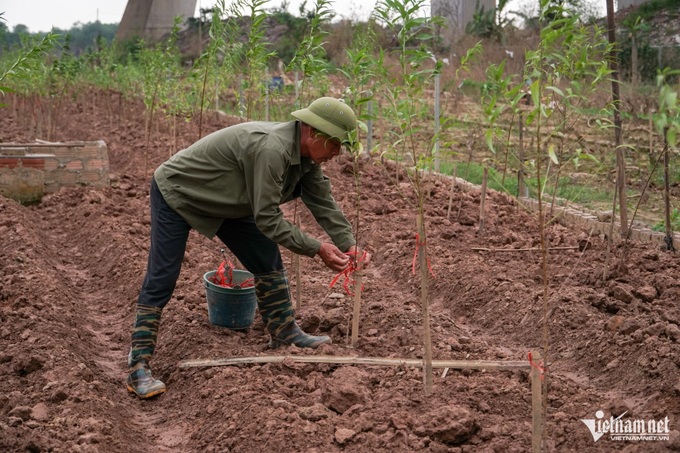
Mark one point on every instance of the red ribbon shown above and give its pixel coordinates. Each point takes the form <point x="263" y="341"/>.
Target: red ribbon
<point x="227" y="281"/>
<point x="347" y="273"/>
<point x="419" y="244"/>
<point x="539" y="366"/>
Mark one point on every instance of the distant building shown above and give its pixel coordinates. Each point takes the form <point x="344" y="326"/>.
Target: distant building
<point x="458" y="13"/>
<point x="152" y="19"/>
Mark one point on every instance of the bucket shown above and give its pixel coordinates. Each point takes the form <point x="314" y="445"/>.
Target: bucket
<point x="233" y="308"/>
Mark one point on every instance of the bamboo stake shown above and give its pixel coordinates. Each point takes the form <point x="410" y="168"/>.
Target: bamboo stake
<point x="356" y="360"/>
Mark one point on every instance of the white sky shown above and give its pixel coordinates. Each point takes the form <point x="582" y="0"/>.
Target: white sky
<point x="42" y="15"/>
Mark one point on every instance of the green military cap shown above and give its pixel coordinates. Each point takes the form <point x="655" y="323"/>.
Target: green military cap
<point x="331" y="116"/>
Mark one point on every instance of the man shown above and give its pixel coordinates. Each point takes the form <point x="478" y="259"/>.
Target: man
<point x="230" y="184"/>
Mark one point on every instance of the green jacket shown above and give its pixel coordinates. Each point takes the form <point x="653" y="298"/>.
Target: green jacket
<point x="249" y="170"/>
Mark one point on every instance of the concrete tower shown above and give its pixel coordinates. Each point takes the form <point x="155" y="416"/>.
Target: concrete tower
<point x="458" y="13"/>
<point x="152" y="19"/>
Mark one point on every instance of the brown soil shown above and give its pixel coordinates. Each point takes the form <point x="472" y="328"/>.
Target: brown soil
<point x="70" y="269"/>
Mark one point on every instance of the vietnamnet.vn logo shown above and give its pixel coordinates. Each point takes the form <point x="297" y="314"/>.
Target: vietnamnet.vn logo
<point x="627" y="429"/>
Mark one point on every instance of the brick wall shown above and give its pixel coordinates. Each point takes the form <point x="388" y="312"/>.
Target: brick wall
<point x="29" y="170"/>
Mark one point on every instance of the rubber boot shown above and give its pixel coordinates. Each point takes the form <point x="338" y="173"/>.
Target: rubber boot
<point x="140" y="381"/>
<point x="276" y="308"/>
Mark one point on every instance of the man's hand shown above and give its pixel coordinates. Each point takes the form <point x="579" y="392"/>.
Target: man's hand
<point x="333" y="257"/>
<point x="362" y="257"/>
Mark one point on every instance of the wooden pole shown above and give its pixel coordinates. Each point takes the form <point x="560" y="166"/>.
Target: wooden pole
<point x="357" y="307"/>
<point x="536" y="403"/>
<point x="529" y="249"/>
<point x="355" y="360"/>
<point x="453" y="184"/>
<point x="427" y="335"/>
<point x="369" y="133"/>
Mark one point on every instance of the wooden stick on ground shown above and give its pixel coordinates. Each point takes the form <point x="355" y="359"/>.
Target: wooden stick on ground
<point x="535" y="249"/>
<point x="355" y="360"/>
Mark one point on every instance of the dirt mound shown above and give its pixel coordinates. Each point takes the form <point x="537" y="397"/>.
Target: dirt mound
<point x="72" y="265"/>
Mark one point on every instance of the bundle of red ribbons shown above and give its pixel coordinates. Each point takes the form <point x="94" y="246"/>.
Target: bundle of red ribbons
<point x="225" y="277"/>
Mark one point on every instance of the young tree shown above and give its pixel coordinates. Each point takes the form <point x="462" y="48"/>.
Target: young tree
<point x="408" y="113"/>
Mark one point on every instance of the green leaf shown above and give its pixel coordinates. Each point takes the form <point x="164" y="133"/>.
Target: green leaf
<point x="489" y="140"/>
<point x="551" y="153"/>
<point x="535" y="93"/>
<point x="555" y="90"/>
<point x="672" y="136"/>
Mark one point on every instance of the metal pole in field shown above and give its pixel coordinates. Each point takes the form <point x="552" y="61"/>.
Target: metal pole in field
<point x="435" y="149"/>
<point x="369" y="127"/>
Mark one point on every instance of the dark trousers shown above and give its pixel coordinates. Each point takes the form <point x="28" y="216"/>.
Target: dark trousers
<point x="169" y="234"/>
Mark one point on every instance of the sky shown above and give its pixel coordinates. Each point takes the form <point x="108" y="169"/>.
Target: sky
<point x="42" y="15"/>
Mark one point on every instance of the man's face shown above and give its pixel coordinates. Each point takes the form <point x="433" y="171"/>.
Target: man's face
<point x="322" y="148"/>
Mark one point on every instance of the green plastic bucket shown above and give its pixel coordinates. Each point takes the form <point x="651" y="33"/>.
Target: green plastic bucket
<point x="233" y="308"/>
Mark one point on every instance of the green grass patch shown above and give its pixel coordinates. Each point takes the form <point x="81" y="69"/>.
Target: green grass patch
<point x="675" y="222"/>
<point x="566" y="189"/>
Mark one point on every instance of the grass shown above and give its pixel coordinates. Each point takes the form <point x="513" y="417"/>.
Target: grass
<point x="566" y="189"/>
<point x="675" y="222"/>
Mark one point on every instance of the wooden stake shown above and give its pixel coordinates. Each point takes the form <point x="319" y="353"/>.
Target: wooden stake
<point x="298" y="283"/>
<point x="296" y="263"/>
<point x="427" y="336"/>
<point x="534" y="249"/>
<point x="357" y="307"/>
<point x="536" y="404"/>
<point x="453" y="184"/>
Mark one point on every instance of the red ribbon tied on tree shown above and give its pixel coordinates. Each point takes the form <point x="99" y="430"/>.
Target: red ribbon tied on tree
<point x="347" y="273"/>
<point x="419" y="244"/>
<point x="539" y="366"/>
